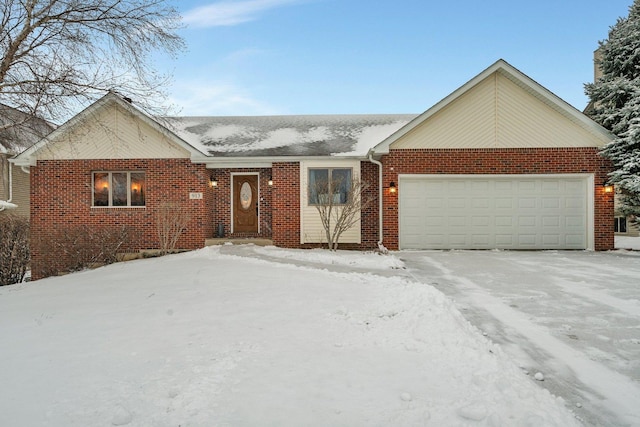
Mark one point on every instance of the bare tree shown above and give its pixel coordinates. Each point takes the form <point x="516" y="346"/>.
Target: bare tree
<point x="60" y="54"/>
<point x="339" y="204"/>
<point x="171" y="223"/>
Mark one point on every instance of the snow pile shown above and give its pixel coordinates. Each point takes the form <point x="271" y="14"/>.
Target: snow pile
<point x="369" y="137"/>
<point x="626" y="242"/>
<point x="203" y="338"/>
<point x="365" y="260"/>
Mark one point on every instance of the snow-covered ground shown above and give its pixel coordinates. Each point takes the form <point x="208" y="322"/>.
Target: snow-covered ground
<point x="214" y="338"/>
<point x="625" y="242"/>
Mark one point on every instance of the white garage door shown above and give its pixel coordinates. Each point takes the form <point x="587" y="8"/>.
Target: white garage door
<point x="487" y="212"/>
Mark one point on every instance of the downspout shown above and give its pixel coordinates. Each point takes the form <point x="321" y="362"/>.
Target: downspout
<point x="6" y="204"/>
<point x="380" y="193"/>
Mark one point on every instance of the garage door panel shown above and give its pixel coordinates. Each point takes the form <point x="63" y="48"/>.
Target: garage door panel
<point x="527" y="240"/>
<point x="550" y="185"/>
<point x="551" y="203"/>
<point x="487" y="212"/>
<point x="527" y="203"/>
<point x="480" y="203"/>
<point x="551" y="239"/>
<point x="458" y="240"/>
<point x="504" y="221"/>
<point x="504" y="240"/>
<point x="551" y="221"/>
<point x="457" y="221"/>
<point x="504" y="203"/>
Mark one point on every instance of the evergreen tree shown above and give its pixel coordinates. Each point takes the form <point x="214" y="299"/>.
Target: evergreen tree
<point x="615" y="104"/>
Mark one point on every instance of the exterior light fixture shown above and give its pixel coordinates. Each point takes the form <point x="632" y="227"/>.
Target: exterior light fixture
<point x="270" y="182"/>
<point x="608" y="188"/>
<point x="392" y="187"/>
<point x="214" y="182"/>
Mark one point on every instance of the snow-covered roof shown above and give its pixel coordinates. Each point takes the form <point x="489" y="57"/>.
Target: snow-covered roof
<point x="278" y="136"/>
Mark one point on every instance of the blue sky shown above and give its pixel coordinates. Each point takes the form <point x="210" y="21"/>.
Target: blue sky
<point x="266" y="57"/>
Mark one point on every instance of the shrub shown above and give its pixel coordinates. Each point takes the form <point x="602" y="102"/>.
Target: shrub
<point x="76" y="248"/>
<point x="14" y="249"/>
<point x="171" y="223"/>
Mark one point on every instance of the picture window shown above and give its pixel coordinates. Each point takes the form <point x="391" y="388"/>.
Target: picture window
<point x="329" y="182"/>
<point x="118" y="189"/>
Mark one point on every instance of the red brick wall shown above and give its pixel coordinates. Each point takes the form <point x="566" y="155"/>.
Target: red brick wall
<point x="499" y="161"/>
<point x="222" y="201"/>
<point x="61" y="198"/>
<point x="370" y="225"/>
<point x="286" y="204"/>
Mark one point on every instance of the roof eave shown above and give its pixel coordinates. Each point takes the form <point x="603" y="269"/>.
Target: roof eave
<point x="28" y="158"/>
<point x="213" y="162"/>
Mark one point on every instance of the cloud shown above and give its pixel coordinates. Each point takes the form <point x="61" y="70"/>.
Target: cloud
<point x="206" y="98"/>
<point x="228" y="13"/>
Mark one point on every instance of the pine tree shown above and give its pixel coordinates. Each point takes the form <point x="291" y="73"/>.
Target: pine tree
<point x="615" y="101"/>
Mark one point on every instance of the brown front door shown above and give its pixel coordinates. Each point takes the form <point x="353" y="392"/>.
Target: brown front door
<point x="245" y="203"/>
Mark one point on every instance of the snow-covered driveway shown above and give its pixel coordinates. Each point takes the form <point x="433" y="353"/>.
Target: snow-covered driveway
<point x="574" y="316"/>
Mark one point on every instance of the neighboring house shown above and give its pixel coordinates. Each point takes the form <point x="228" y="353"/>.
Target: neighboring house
<point x="500" y="163"/>
<point x="18" y="131"/>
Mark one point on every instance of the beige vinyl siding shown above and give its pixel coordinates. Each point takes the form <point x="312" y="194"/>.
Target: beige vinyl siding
<point x="20" y="188"/>
<point x="21" y="192"/>
<point x="311" y="230"/>
<point x="112" y="133"/>
<point x="497" y="113"/>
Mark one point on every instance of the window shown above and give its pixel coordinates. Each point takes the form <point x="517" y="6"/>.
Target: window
<point x="327" y="182"/>
<point x="620" y="224"/>
<point x="117" y="189"/>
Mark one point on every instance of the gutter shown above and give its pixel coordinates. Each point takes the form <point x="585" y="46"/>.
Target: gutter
<point x="380" y="192"/>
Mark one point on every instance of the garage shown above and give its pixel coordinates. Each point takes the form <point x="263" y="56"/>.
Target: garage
<point x="523" y="212"/>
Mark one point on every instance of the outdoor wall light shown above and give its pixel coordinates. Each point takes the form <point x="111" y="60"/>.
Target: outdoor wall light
<point x="608" y="188"/>
<point x="392" y="187"/>
<point x="270" y="182"/>
<point x="214" y="182"/>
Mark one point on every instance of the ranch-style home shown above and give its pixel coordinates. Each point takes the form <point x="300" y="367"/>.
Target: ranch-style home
<point x="500" y="163"/>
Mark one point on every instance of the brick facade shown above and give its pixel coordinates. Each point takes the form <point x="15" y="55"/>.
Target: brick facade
<point x="61" y="194"/>
<point x="61" y="197"/>
<point x="370" y="223"/>
<point x="499" y="161"/>
<point x="286" y="204"/>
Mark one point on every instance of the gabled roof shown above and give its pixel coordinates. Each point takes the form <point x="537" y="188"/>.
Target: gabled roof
<point x="283" y="136"/>
<point x="520" y="79"/>
<point x="27" y="157"/>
